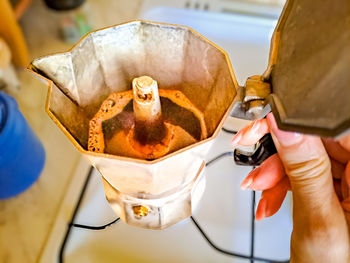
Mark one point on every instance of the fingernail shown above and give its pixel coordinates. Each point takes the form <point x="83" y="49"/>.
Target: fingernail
<point x="247" y="182"/>
<point x="287" y="138"/>
<point x="261" y="210"/>
<point x="236" y="138"/>
<point x="284" y="138"/>
<point x="255" y="126"/>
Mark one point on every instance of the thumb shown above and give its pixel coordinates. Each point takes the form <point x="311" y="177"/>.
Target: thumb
<point x="318" y="218"/>
<point x="304" y="158"/>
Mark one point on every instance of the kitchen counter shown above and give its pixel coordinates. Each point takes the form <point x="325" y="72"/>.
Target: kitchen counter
<point x="26" y="220"/>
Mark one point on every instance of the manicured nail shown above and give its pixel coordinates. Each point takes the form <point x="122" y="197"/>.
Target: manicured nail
<point x="261" y="210"/>
<point x="236" y="138"/>
<point x="247" y="182"/>
<point x="284" y="138"/>
<point x="256" y="126"/>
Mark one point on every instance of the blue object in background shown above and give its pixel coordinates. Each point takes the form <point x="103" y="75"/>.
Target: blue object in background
<point x="22" y="155"/>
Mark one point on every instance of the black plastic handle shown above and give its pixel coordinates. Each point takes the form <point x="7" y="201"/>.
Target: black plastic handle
<point x="263" y="150"/>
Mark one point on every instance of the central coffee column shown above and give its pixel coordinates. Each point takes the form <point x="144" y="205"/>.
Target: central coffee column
<point x="149" y="125"/>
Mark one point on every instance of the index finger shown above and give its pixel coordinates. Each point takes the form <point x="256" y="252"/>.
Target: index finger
<point x="251" y="134"/>
<point x="336" y="151"/>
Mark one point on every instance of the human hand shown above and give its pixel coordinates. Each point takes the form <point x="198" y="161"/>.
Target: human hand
<point x="321" y="204"/>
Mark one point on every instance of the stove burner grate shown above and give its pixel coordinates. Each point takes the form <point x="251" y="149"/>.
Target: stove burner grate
<point x="250" y="257"/>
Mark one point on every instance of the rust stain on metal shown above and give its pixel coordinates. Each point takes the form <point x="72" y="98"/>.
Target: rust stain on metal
<point x="147" y="133"/>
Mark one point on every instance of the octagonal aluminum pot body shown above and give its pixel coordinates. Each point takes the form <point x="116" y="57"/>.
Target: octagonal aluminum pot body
<point x="107" y="61"/>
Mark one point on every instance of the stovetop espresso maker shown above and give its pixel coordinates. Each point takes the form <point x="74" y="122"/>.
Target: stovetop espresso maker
<point x="305" y="85"/>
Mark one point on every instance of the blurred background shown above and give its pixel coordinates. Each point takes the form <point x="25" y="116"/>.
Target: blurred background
<point x="34" y="28"/>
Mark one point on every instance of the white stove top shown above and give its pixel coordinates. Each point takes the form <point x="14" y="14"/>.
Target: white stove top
<point x="225" y="211"/>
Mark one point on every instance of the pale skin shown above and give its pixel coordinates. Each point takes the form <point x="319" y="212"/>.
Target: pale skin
<point x="318" y="173"/>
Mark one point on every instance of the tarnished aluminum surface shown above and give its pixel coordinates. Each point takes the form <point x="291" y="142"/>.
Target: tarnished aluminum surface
<point x="107" y="61"/>
<point x="309" y="67"/>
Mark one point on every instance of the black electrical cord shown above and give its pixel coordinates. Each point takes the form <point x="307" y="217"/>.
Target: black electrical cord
<point x="211" y="243"/>
<point x="229" y="131"/>
<point x="116" y="220"/>
<point x="219" y="157"/>
<point x="230" y="253"/>
<point x="252" y="238"/>
<point x="95" y="227"/>
<point x="71" y="224"/>
<point x="60" y="255"/>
